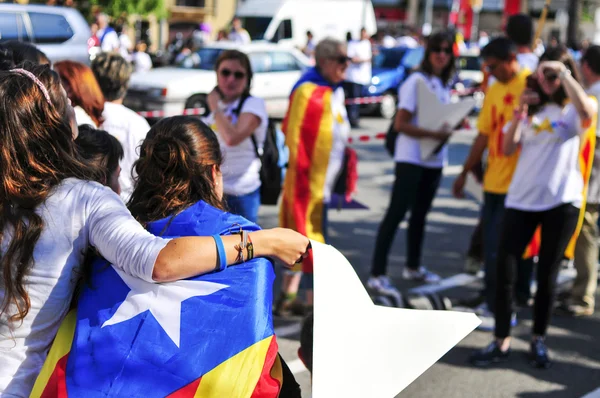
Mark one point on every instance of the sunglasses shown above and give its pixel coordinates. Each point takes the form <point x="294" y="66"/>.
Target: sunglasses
<point x="237" y="75"/>
<point x="550" y="77"/>
<point x="341" y="59"/>
<point x="438" y="49"/>
<point x="490" y="68"/>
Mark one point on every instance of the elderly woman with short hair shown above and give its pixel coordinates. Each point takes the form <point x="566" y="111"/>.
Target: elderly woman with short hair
<point x="316" y="128"/>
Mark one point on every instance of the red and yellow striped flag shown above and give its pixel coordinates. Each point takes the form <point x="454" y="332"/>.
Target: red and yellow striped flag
<point x="308" y="127"/>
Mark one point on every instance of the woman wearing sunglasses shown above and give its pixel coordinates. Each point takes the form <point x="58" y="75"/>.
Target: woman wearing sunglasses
<point x="417" y="178"/>
<point x="551" y="126"/>
<point x="238" y="118"/>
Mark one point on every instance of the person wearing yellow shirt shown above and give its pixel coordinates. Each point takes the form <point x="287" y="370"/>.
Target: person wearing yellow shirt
<point x="501" y="100"/>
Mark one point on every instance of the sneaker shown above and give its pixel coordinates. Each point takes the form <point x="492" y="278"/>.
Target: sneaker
<point x="383" y="285"/>
<point x="488" y="355"/>
<point x="472" y="265"/>
<point x="421" y="275"/>
<point x="575" y="310"/>
<point x="538" y="354"/>
<point x="488" y="321"/>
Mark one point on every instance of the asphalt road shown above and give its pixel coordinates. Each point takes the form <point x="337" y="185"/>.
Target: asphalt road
<point x="574" y="343"/>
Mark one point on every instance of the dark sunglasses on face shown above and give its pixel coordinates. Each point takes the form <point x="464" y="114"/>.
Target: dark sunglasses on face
<point x="439" y="49"/>
<point x="341" y="59"/>
<point x="237" y="75"/>
<point x="550" y="77"/>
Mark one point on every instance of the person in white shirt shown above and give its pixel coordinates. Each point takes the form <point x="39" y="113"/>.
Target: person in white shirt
<point x="109" y="39"/>
<point x="113" y="72"/>
<point x="547" y="189"/>
<point x="141" y="59"/>
<point x="57" y="213"/>
<point x="240" y="121"/>
<point x="238" y="34"/>
<point x="359" y="72"/>
<point x="581" y="301"/>
<point x="125" y="44"/>
<point x="417" y="178"/>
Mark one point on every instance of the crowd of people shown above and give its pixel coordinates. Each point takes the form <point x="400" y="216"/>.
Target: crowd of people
<point x="83" y="176"/>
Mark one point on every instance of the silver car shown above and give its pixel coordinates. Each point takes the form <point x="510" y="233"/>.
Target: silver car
<point x="60" y="32"/>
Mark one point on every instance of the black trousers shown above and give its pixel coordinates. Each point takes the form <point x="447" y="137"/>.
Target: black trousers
<point x="558" y="225"/>
<point x="414" y="190"/>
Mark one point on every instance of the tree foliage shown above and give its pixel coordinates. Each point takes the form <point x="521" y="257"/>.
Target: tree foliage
<point x="119" y="8"/>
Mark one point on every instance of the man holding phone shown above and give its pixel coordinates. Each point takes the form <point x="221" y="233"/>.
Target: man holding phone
<point x="501" y="101"/>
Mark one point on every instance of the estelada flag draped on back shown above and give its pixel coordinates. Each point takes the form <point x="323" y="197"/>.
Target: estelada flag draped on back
<point x="309" y="131"/>
<point x="586" y="160"/>
<point x="208" y="336"/>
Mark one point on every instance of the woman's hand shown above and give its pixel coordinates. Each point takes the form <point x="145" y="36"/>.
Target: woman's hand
<point x="213" y="100"/>
<point x="529" y="97"/>
<point x="284" y="244"/>
<point x="550" y="66"/>
<point x="444" y="133"/>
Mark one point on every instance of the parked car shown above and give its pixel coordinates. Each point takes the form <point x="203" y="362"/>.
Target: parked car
<point x="60" y="32"/>
<point x="468" y="78"/>
<point x="173" y="89"/>
<point x="390" y="67"/>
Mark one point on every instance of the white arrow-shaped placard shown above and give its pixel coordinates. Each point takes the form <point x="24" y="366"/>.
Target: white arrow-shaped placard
<point x="362" y="350"/>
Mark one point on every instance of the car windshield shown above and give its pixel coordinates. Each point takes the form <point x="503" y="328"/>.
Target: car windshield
<point x="468" y="63"/>
<point x="388" y="58"/>
<point x="256" y="26"/>
<point x="204" y="59"/>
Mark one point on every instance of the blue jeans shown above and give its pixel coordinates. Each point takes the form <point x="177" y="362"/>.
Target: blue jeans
<point x="492" y="217"/>
<point x="245" y="205"/>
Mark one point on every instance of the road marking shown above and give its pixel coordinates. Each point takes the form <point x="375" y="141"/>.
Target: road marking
<point x="448" y="283"/>
<point x="593" y="394"/>
<point x="296" y="366"/>
<point x="289" y="330"/>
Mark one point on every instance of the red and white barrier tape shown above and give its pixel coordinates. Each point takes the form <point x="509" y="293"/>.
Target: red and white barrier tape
<point x="366" y="138"/>
<point x="190" y="111"/>
<point x="364" y="100"/>
<point x="200" y="111"/>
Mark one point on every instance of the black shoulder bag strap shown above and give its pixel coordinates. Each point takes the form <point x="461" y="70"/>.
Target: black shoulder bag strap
<point x="237" y="112"/>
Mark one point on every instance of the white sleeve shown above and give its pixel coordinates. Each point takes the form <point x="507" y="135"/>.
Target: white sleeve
<point x="111" y="42"/>
<point x="256" y="106"/>
<point x="119" y="237"/>
<point x="570" y="124"/>
<point x="407" y="94"/>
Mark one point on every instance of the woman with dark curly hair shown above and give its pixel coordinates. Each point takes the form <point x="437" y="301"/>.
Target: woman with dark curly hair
<point x="179" y="190"/>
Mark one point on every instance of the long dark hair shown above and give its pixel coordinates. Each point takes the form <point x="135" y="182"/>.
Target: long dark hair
<point x="557" y="53"/>
<point x="174" y="170"/>
<point x="436" y="40"/>
<point x="36" y="154"/>
<point x="242" y="59"/>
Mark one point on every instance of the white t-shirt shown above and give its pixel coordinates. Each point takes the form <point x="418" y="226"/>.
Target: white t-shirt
<point x="360" y="73"/>
<point x="110" y="41"/>
<point x="241" y="166"/>
<point x="81" y="117"/>
<point x="341" y="131"/>
<point x="76" y="215"/>
<point x="141" y="61"/>
<point x="241" y="37"/>
<point x="124" y="46"/>
<point x="130" y="129"/>
<point x="408" y="149"/>
<point x="547" y="173"/>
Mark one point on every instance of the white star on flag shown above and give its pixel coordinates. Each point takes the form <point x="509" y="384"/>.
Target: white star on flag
<point x="163" y="300"/>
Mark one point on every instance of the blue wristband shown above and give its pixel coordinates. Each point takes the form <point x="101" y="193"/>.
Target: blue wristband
<point x="222" y="257"/>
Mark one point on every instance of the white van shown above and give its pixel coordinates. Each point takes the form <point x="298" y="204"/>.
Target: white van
<point x="286" y="21"/>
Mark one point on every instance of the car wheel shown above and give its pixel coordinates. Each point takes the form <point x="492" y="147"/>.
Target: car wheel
<point x="197" y="102"/>
<point x="387" y="107"/>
